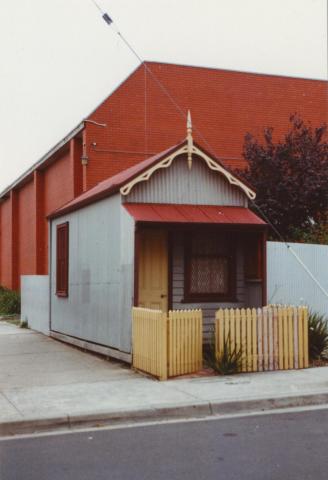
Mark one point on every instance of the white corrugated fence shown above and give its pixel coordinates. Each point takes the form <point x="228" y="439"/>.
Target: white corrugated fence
<point x="287" y="280"/>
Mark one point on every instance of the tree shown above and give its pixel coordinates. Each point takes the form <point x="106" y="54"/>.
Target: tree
<point x="291" y="180"/>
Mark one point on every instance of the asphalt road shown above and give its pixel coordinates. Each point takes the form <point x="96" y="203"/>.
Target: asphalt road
<point x="266" y="447"/>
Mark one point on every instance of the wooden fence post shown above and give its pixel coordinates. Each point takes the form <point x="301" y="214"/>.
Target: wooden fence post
<point x="265" y="339"/>
<point x="243" y="340"/>
<point x="295" y="337"/>
<point x="270" y="339"/>
<point x="162" y="339"/>
<point x="260" y="339"/>
<point x="281" y="338"/>
<point x="249" y="339"/>
<point x="254" y="340"/>
<point x="306" y="336"/>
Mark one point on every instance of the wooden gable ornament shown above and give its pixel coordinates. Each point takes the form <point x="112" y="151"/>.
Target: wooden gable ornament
<point x="188" y="147"/>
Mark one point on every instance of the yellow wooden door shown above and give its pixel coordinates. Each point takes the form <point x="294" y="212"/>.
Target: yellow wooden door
<point x="153" y="270"/>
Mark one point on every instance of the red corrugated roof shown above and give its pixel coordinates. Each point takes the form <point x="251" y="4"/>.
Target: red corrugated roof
<point x="211" y="214"/>
<point x="113" y="184"/>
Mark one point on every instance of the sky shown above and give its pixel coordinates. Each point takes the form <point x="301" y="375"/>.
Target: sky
<point x="59" y="59"/>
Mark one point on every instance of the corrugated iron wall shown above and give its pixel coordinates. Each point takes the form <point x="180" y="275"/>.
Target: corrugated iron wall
<point x="35" y="302"/>
<point x="101" y="250"/>
<point x="288" y="282"/>
<point x="178" y="184"/>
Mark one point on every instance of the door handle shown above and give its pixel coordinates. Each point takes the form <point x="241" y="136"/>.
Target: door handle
<point x="163" y="296"/>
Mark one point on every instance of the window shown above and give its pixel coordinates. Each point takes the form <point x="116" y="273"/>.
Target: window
<point x="62" y="260"/>
<point x="209" y="267"/>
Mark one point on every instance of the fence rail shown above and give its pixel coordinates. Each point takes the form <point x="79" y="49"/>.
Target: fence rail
<point x="167" y="346"/>
<point x="269" y="338"/>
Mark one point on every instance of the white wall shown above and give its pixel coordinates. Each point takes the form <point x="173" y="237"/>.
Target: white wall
<point x="288" y="282"/>
<point x="35" y="302"/>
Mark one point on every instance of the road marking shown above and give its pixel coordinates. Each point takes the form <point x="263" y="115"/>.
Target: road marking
<point x="168" y="421"/>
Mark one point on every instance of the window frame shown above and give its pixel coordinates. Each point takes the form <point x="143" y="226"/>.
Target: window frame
<point x="230" y="295"/>
<point x="62" y="289"/>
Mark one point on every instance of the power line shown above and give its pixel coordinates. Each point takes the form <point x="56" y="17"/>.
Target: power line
<point x="158" y="82"/>
<point x="97" y="6"/>
<point x="308" y="271"/>
<point x="110" y="22"/>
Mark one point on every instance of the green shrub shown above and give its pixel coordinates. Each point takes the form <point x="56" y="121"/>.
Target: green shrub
<point x="227" y="362"/>
<point x="318" y="336"/>
<point x="9" y="302"/>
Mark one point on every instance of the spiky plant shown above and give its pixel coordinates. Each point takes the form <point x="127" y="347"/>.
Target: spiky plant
<point x="227" y="362"/>
<point x="318" y="336"/>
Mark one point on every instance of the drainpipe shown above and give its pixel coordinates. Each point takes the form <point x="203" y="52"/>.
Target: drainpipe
<point x="85" y="158"/>
<point x="84" y="161"/>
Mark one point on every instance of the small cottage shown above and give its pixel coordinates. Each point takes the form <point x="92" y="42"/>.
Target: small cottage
<point x="174" y="231"/>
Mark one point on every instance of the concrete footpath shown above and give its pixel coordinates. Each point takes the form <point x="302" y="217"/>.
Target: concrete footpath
<point x="45" y="385"/>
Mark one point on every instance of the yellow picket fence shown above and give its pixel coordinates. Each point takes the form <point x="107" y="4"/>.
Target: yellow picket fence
<point x="269" y="338"/>
<point x="185" y="333"/>
<point x="167" y="346"/>
<point x="149" y="341"/>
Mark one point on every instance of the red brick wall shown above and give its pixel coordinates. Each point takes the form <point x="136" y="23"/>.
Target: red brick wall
<point x="47" y="191"/>
<point x="40" y="266"/>
<point x="76" y="166"/>
<point x="58" y="186"/>
<point x="58" y="190"/>
<point x="5" y="251"/>
<point x="224" y="106"/>
<point x="26" y="218"/>
<point x="141" y="119"/>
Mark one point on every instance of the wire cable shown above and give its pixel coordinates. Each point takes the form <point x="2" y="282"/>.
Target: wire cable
<point x="97" y="6"/>
<point x="158" y="82"/>
<point x="290" y="249"/>
<point x="308" y="271"/>
<point x="110" y="22"/>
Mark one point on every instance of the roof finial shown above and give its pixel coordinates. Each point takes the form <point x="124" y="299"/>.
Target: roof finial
<point x="189" y="140"/>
